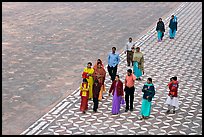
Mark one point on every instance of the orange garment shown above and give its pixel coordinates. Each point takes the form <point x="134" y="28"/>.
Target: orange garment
<point x="100" y="74"/>
<point x="129" y="80"/>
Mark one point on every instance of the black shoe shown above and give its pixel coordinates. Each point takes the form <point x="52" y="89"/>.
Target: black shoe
<point x="84" y="112"/>
<point x="139" y="79"/>
<point x="167" y="111"/>
<point x="126" y="110"/>
<point x="174" y="112"/>
<point x="131" y="109"/>
<point x="102" y="97"/>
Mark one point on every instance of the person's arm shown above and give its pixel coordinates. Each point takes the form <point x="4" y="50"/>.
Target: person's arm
<point x="110" y="90"/>
<point x="142" y="64"/>
<point x="126" y="47"/>
<point x="122" y="90"/>
<point x="157" y="27"/>
<point x="163" y="27"/>
<point x="108" y="58"/>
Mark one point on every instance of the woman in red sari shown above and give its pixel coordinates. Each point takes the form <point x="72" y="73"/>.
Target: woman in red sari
<point x="100" y="74"/>
<point x="84" y="93"/>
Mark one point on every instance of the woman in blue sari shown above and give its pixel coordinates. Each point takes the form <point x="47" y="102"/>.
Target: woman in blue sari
<point x="172" y="27"/>
<point x="138" y="63"/>
<point x="149" y="92"/>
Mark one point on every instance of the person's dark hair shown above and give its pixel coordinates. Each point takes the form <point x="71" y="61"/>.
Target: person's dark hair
<point x="160" y="18"/>
<point x="172" y="15"/>
<point x="117" y="76"/>
<point x="99" y="60"/>
<point x="130" y="71"/>
<point x="171" y="78"/>
<point x="99" y="63"/>
<point x="114" y="48"/>
<point x="130" y="38"/>
<point x="138" y="48"/>
<point x="89" y="63"/>
<point x="85" y="80"/>
<point x="150" y="79"/>
<point x="175" y="78"/>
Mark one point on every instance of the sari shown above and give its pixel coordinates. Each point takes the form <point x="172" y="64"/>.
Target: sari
<point x="100" y="74"/>
<point x="84" y="93"/>
<point x="138" y="64"/>
<point x="90" y="80"/>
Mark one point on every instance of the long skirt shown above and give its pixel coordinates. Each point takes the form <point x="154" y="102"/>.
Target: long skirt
<point x="90" y="81"/>
<point x="136" y="70"/>
<point x="103" y="89"/>
<point x="172" y="34"/>
<point x="172" y="102"/>
<point x="146" y="108"/>
<point x="159" y="35"/>
<point x="116" y="103"/>
<point x="84" y="102"/>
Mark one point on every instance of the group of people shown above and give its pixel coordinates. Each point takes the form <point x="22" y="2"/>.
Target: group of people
<point x="93" y="85"/>
<point x="160" y="28"/>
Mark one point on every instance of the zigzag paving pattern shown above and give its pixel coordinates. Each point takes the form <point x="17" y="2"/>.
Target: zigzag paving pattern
<point x="180" y="57"/>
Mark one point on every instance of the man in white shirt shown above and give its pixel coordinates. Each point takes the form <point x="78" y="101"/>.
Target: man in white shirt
<point x="129" y="49"/>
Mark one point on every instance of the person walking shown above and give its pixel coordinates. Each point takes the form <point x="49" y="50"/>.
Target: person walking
<point x="84" y="93"/>
<point x="129" y="89"/>
<point x="172" y="27"/>
<point x="96" y="90"/>
<point x="128" y="49"/>
<point x="118" y="94"/>
<point x="160" y="29"/>
<point x="138" y="63"/>
<point x="87" y="73"/>
<point x="172" y="98"/>
<point x="113" y="61"/>
<point x="149" y="92"/>
<point x="100" y="74"/>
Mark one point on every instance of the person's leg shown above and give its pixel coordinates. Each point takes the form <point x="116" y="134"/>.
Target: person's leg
<point x="131" y="57"/>
<point x="96" y="104"/>
<point x="174" y="34"/>
<point x="127" y="101"/>
<point x="169" y="107"/>
<point x="131" y="99"/>
<point x="128" y="58"/>
<point x="110" y="71"/>
<point x="174" y="109"/>
<point x="94" y="101"/>
<point x="170" y="33"/>
<point x="114" y="72"/>
<point x="159" y="35"/>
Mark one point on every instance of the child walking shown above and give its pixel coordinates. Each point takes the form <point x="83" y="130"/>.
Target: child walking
<point x="84" y="93"/>
<point x="172" y="98"/>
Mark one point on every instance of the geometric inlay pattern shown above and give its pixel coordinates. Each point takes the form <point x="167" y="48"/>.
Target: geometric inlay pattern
<point x="179" y="57"/>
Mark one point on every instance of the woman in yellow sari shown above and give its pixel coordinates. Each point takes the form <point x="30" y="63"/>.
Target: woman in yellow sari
<point x="87" y="73"/>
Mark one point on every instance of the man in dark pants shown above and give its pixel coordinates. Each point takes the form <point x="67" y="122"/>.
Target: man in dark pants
<point x="129" y="89"/>
<point x="113" y="61"/>
<point x="129" y="49"/>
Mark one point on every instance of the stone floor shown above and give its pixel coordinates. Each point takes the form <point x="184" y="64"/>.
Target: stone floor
<point x="181" y="57"/>
<point x="46" y="45"/>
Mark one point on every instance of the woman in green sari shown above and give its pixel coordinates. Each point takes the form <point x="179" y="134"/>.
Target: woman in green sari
<point x="138" y="63"/>
<point x="149" y="92"/>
